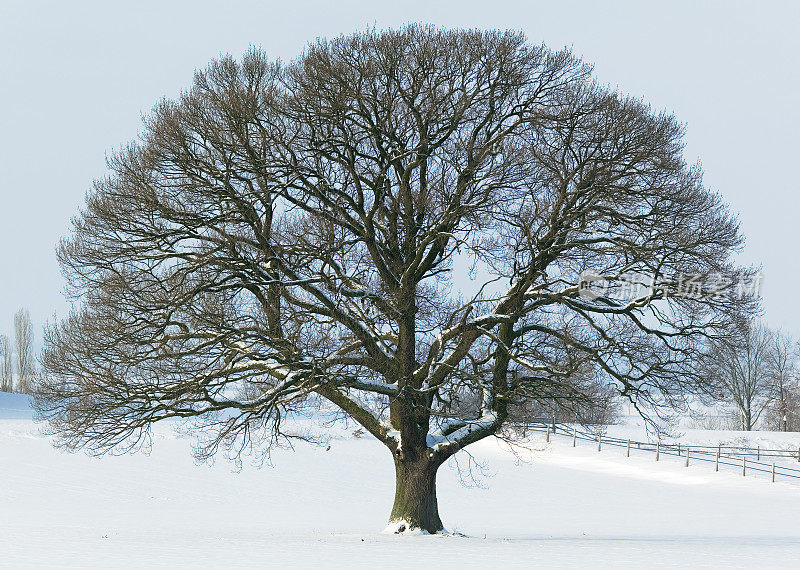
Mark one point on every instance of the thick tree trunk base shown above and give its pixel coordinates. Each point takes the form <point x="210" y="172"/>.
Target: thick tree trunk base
<point x="415" y="509"/>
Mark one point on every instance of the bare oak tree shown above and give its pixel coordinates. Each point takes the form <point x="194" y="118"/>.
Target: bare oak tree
<point x="287" y="232"/>
<point x="23" y="340"/>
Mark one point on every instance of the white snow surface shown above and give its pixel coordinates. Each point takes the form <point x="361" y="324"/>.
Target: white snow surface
<point x="547" y="505"/>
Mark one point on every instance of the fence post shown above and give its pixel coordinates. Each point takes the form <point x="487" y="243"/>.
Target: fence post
<point x="629" y="447"/>
<point x="679" y="449"/>
<point x="687" y="457"/>
<point x="758" y="453"/>
<point x="658" y="449"/>
<point x="548" y="434"/>
<point x="716" y="465"/>
<point x="574" y="436"/>
<point x="599" y="441"/>
<point x="773" y="472"/>
<point x="744" y="466"/>
<point x="554" y="423"/>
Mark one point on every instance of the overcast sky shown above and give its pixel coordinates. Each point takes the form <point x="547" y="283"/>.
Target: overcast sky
<point x="76" y="77"/>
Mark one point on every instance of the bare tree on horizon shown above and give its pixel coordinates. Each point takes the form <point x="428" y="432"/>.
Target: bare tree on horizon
<point x="396" y="222"/>
<point x="25" y="358"/>
<point x="740" y="369"/>
<point x="6" y="365"/>
<point x="784" y="409"/>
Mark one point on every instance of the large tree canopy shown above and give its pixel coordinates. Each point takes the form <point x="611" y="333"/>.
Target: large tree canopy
<point x="395" y="222"/>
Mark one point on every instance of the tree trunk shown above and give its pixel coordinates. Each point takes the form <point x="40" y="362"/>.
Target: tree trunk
<point x="415" y="506"/>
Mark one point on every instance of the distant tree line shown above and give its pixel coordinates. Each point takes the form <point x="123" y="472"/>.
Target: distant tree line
<point x="17" y="360"/>
<point x="757" y="372"/>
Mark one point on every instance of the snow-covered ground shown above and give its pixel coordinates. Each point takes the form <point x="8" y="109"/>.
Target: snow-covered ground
<point x="543" y="506"/>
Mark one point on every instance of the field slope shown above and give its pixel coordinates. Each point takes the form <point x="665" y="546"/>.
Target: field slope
<point x="550" y="505"/>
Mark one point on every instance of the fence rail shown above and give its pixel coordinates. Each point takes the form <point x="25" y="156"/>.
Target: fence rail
<point x="737" y="456"/>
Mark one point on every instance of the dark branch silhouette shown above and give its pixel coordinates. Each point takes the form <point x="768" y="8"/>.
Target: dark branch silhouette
<point x="282" y="233"/>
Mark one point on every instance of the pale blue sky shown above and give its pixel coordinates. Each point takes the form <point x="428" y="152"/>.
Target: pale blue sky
<point x="75" y="78"/>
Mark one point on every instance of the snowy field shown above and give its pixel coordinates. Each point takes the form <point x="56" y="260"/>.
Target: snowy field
<point x="549" y="505"/>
